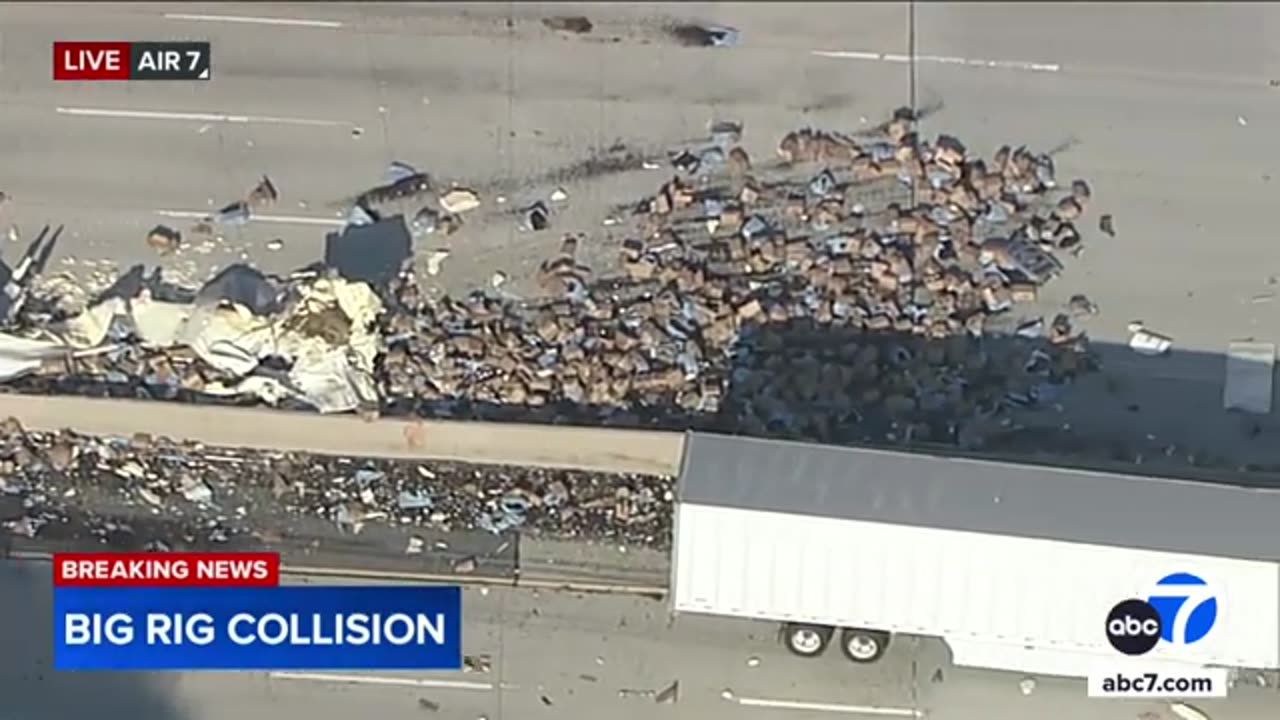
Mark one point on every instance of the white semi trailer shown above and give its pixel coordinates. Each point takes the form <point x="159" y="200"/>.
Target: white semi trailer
<point x="1014" y="567"/>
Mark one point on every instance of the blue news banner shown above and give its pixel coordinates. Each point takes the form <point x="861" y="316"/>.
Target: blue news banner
<point x="257" y="628"/>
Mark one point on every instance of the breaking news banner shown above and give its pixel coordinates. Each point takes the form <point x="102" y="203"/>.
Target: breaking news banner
<point x="121" y="60"/>
<point x="217" y="611"/>
<point x="1138" y="682"/>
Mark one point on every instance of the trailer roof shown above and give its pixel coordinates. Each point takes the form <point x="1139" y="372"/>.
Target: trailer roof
<point x="1181" y="516"/>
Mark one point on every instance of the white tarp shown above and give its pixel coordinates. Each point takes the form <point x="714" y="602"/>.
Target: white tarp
<point x="1250" y="372"/>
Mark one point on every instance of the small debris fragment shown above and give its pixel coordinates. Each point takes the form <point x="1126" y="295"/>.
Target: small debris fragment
<point x="559" y="195"/>
<point x="264" y="193"/>
<point x="356" y="132"/>
<point x="498" y="279"/>
<point x="465" y="566"/>
<point x="588" y="678"/>
<point x="416" y="546"/>
<point x="753" y="661"/>
<point x="1081" y="305"/>
<point x="164" y="239"/>
<point x="536" y="218"/>
<point x="435" y="260"/>
<point x="727" y="694"/>
<point x="546" y="701"/>
<point x="459" y="200"/>
<point x="426" y="704"/>
<point x="1241" y="120"/>
<point x="576" y="24"/>
<point x="275" y="244"/>
<point x="669" y="694"/>
<point x="13" y="234"/>
<point x="1107" y="225"/>
<point x="477" y="663"/>
<point x="1027" y="685"/>
<point x="195" y="490"/>
<point x="1146" y="342"/>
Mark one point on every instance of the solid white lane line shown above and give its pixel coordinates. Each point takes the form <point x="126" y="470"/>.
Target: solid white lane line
<point x="939" y="59"/>
<point x="380" y="680"/>
<point x="830" y="707"/>
<point x="196" y="117"/>
<point x="278" y="219"/>
<point x="246" y="20"/>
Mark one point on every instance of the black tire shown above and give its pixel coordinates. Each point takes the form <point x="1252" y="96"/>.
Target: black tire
<point x="806" y="640"/>
<point x="863" y="646"/>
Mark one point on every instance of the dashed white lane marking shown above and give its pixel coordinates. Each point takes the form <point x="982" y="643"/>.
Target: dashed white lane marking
<point x="196" y="117"/>
<point x="247" y="20"/>
<point x="830" y="707"/>
<point x="380" y="680"/>
<point x="939" y="59"/>
<point x="277" y="219"/>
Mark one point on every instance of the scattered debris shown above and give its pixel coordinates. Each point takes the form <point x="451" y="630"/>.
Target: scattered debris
<point x="1027" y="685"/>
<point x="568" y="23"/>
<point x="275" y="244"/>
<point x="559" y="195"/>
<point x="164" y="239"/>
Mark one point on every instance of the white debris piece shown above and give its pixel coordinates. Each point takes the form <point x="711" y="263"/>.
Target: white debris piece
<point x="435" y="260"/>
<point x="1027" y="686"/>
<point x="275" y="244"/>
<point x="753" y="661"/>
<point x="727" y="694"/>
<point x="559" y="195"/>
<point x="195" y="490"/>
<point x="1146" y="342"/>
<point x="416" y="546"/>
<point x="459" y="200"/>
<point x="498" y="280"/>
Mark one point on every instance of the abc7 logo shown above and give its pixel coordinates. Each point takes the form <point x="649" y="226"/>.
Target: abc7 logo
<point x="1135" y="627"/>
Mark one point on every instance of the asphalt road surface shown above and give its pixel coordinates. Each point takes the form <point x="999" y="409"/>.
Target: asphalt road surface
<point x="1166" y="110"/>
<point x="561" y="655"/>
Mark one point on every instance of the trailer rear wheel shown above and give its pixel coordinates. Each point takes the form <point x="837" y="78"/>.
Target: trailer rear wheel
<point x="807" y="640"/>
<point x="863" y="646"/>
